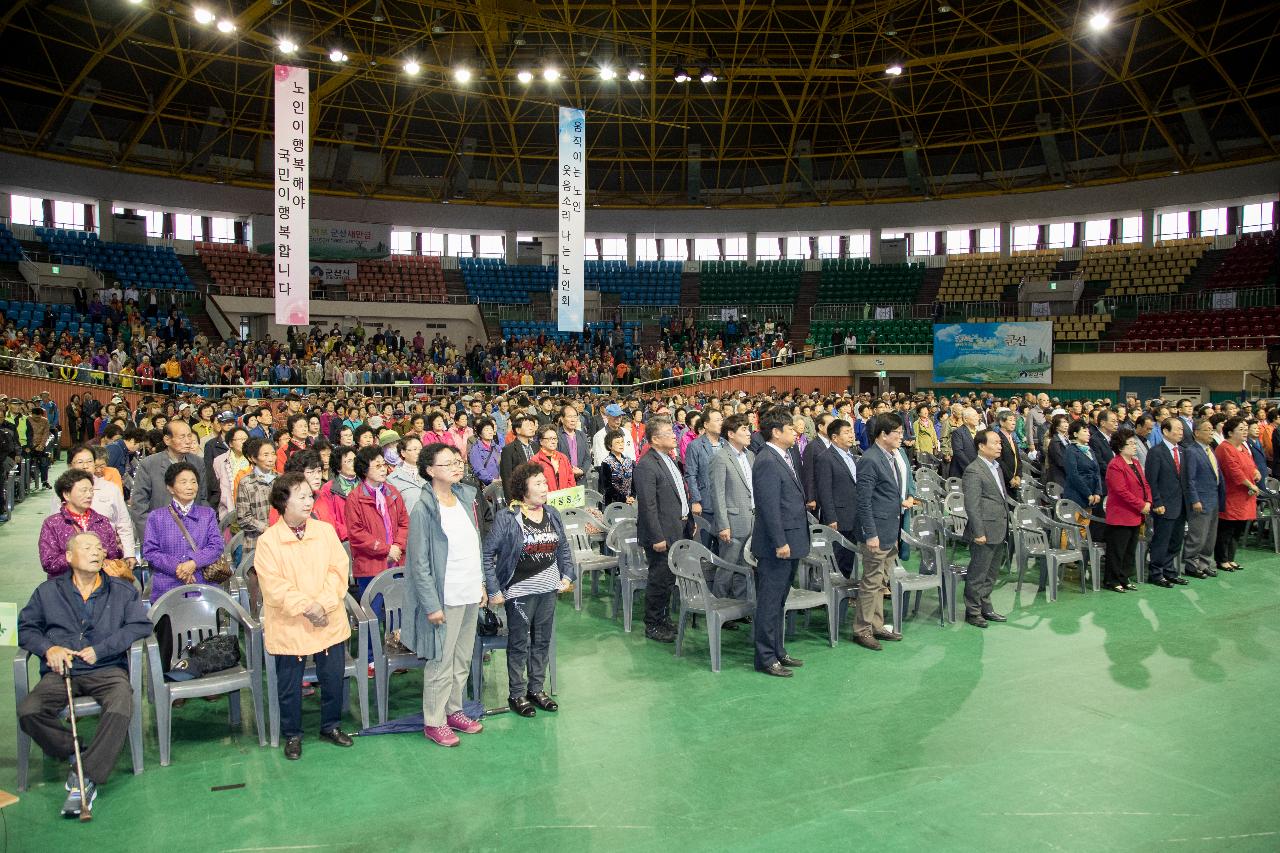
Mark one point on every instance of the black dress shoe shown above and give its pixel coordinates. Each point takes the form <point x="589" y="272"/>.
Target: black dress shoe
<point x="975" y="621"/>
<point x="867" y="642"/>
<point x="993" y="616"/>
<point x="891" y="636"/>
<point x="776" y="669"/>
<point x="1210" y="573"/>
<point x="522" y="706"/>
<point x="337" y="737"/>
<point x="293" y="747"/>
<point x="1196" y="573"/>
<point x="661" y="634"/>
<point x="543" y="700"/>
<point x="1179" y="581"/>
<point x="789" y="661"/>
<point x="1161" y="581"/>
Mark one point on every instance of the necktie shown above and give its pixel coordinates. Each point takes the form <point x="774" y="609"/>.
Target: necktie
<point x="786" y="457"/>
<point x="1177" y="463"/>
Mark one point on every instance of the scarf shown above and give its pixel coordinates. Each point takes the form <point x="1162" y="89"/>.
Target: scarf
<point x="341" y="486"/>
<point x="379" y="496"/>
<point x="81" y="520"/>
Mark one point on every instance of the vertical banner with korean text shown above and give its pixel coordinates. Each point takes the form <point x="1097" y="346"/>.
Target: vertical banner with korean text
<point x="292" y="196"/>
<point x="573" y="183"/>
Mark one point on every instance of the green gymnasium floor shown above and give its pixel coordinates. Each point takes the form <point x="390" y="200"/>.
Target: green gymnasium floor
<point x="1131" y="722"/>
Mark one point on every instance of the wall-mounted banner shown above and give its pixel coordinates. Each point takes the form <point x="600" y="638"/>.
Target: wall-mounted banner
<point x="573" y="183"/>
<point x="334" y="240"/>
<point x="993" y="353"/>
<point x="333" y="273"/>
<point x="292" y="196"/>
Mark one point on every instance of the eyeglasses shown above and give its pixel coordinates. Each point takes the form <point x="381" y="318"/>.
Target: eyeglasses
<point x="457" y="463"/>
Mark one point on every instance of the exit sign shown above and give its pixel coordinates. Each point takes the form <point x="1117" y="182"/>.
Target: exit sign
<point x="882" y="374"/>
<point x="57" y="270"/>
<point x="1053" y="285"/>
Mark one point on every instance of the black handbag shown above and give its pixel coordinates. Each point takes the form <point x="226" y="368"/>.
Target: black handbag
<point x="219" y="652"/>
<point x="489" y="625"/>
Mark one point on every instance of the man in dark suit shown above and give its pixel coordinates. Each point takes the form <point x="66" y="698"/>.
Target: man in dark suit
<point x="573" y="441"/>
<point x="662" y="515"/>
<point x="835" y="482"/>
<point x="780" y="539"/>
<point x="1010" y="463"/>
<point x="1167" y="472"/>
<point x="882" y="497"/>
<point x="986" y="528"/>
<point x="816" y="448"/>
<point x="519" y="451"/>
<point x="1100" y="443"/>
<point x="963" y="450"/>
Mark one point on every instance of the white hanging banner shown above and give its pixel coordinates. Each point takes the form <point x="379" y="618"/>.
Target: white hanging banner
<point x="573" y="184"/>
<point x="292" y="196"/>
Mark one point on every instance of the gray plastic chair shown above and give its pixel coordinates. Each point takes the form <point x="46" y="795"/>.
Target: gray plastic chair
<point x="1052" y="490"/>
<point x="633" y="568"/>
<point x="616" y="511"/>
<point x="1268" y="513"/>
<point x="585" y="557"/>
<point x="493" y="494"/>
<point x="823" y="542"/>
<point x="930" y="532"/>
<point x="397" y="606"/>
<point x="955" y="485"/>
<point x="355" y="671"/>
<point x="1031" y="529"/>
<point x="197" y="612"/>
<point x="903" y="581"/>
<point x="85" y="707"/>
<point x="592" y="499"/>
<point x="1080" y="538"/>
<point x="687" y="560"/>
<point x="956" y="517"/>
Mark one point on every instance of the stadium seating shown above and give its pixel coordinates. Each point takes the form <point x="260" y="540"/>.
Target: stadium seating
<point x="236" y="270"/>
<point x="1067" y="327"/>
<point x="892" y="335"/>
<point x="857" y="280"/>
<point x="735" y="283"/>
<point x="984" y="277"/>
<point x="1237" y="328"/>
<point x="1139" y="271"/>
<point x="400" y="278"/>
<point x="1250" y="263"/>
<point x="647" y="283"/>
<point x="492" y="280"/>
<point x="533" y="328"/>
<point x="10" y="249"/>
<point x="144" y="267"/>
<point x="33" y="315"/>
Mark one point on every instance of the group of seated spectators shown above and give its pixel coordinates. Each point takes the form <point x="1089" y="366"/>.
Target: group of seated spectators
<point x="453" y="490"/>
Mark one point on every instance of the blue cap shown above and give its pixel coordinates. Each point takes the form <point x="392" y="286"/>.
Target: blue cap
<point x="613" y="410"/>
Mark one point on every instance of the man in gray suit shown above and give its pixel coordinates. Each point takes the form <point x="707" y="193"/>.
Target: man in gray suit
<point x="882" y="497"/>
<point x="149" y="491"/>
<point x="573" y="441"/>
<point x="986" y="527"/>
<point x="697" y="466"/>
<point x="732" y="502"/>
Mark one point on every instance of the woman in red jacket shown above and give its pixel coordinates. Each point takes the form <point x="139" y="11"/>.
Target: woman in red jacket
<point x="1128" y="504"/>
<point x="554" y="464"/>
<point x="377" y="522"/>
<point x="1240" y="478"/>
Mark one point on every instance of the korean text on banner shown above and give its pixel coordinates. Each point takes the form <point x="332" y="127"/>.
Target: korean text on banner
<point x="573" y="497"/>
<point x="292" y="195"/>
<point x="573" y="182"/>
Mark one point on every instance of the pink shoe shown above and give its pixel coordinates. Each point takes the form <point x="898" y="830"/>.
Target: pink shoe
<point x="442" y="735"/>
<point x="460" y="722"/>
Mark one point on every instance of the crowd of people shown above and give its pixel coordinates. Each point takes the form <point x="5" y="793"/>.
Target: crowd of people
<point x="331" y="491"/>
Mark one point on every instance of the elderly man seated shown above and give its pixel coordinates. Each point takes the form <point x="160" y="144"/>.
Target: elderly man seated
<point x="83" y="622"/>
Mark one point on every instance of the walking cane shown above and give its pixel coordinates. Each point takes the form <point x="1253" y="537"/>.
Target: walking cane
<point x="85" y="814"/>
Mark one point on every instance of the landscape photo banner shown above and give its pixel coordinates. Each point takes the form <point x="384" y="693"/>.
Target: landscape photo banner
<point x="332" y="240"/>
<point x="993" y="353"/>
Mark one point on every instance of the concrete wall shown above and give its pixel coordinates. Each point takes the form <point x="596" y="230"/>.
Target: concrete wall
<point x="456" y="321"/>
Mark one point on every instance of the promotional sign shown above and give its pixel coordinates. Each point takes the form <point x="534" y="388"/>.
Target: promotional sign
<point x="884" y="312"/>
<point x="332" y="240"/>
<point x="292" y="196"/>
<point x="573" y="497"/>
<point x="993" y="353"/>
<point x="333" y="273"/>
<point x="1224" y="300"/>
<point x="573" y="182"/>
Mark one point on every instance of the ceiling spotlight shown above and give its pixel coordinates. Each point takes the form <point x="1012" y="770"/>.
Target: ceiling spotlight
<point x="551" y="74"/>
<point x="336" y="55"/>
<point x="462" y="74"/>
<point x="635" y="75"/>
<point x="226" y="25"/>
<point x="893" y="70"/>
<point x="1099" y="21"/>
<point x="890" y="28"/>
<point x="287" y="46"/>
<point x="708" y="76"/>
<point x="412" y="67"/>
<point x="607" y="72"/>
<point x="944" y="8"/>
<point x="202" y="15"/>
<point x="135" y="2"/>
<point x="525" y="76"/>
<point x="681" y="76"/>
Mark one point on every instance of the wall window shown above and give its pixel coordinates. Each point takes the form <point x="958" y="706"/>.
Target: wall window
<point x="1062" y="235"/>
<point x="767" y="249"/>
<point x="796" y="248"/>
<point x="24" y="210"/>
<point x="859" y="245"/>
<point x="1025" y="237"/>
<point x="492" y="246"/>
<point x="1097" y="232"/>
<point x="458" y="245"/>
<point x="988" y="239"/>
<point x="674" y="249"/>
<point x="706" y="249"/>
<point x="735" y="248"/>
<point x="432" y="243"/>
<point x="402" y="242"/>
<point x="1131" y="229"/>
<point x="646" y="249"/>
<point x="1258" y="217"/>
<point x="187" y="226"/>
<point x="613" y="249"/>
<point x="224" y="230"/>
<point x="1213" y="221"/>
<point x="958" y="242"/>
<point x="68" y="214"/>
<point x="922" y="242"/>
<point x="1173" y="226"/>
<point x="829" y="246"/>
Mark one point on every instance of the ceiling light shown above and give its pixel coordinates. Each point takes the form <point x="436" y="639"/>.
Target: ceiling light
<point x="525" y="76"/>
<point x="944" y="8"/>
<point x="135" y="2"/>
<point x="412" y="67"/>
<point x="287" y="46"/>
<point x="635" y="75"/>
<point x="708" y="76"/>
<point x="551" y="74"/>
<point x="462" y="74"/>
<point x="893" y="70"/>
<point x="1099" y="21"/>
<point x="226" y="25"/>
<point x="202" y="15"/>
<point x="607" y="72"/>
<point x="890" y="28"/>
<point x="336" y="55"/>
<point x="681" y="76"/>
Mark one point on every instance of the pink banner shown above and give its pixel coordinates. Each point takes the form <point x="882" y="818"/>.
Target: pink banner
<point x="292" y="196"/>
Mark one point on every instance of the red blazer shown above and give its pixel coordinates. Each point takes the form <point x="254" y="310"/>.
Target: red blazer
<point x="368" y="535"/>
<point x="565" y="480"/>
<point x="1127" y="491"/>
<point x="1237" y="469"/>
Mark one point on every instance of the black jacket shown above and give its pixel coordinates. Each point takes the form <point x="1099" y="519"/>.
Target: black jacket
<point x="55" y="617"/>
